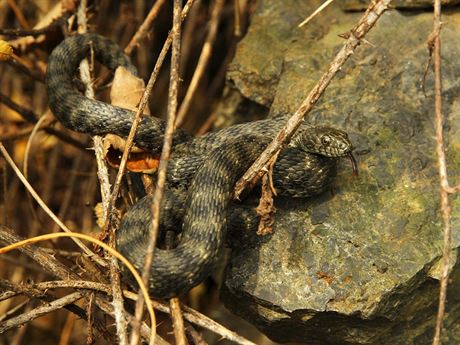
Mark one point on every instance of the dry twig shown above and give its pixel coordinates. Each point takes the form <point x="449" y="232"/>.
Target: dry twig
<point x="18" y="13"/>
<point x="31" y="117"/>
<point x="40" y="311"/>
<point x="45" y="207"/>
<point x="57" y="269"/>
<point x="315" y="13"/>
<point x="103" y="174"/>
<point x="202" y="62"/>
<point x="34" y="32"/>
<point x="110" y="250"/>
<point x="143" y="29"/>
<point x="163" y="165"/>
<point x="356" y="34"/>
<point x="445" y="189"/>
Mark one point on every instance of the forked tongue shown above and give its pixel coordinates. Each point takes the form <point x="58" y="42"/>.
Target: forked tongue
<point x="353" y="163"/>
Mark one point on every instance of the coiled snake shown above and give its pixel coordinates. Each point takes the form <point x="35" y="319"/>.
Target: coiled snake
<point x="212" y="162"/>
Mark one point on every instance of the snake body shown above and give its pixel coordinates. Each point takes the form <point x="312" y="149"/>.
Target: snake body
<point x="205" y="169"/>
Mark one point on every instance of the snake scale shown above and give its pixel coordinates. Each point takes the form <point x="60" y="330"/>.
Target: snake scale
<point x="209" y="165"/>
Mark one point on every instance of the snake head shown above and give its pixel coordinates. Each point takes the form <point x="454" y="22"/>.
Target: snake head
<point x="326" y="141"/>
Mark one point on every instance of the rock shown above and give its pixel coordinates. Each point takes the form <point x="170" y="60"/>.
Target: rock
<point x="357" y="265"/>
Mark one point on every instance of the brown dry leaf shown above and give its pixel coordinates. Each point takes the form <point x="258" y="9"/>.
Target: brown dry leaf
<point x="127" y="90"/>
<point x="137" y="161"/>
<point x="266" y="208"/>
<point x="6" y="51"/>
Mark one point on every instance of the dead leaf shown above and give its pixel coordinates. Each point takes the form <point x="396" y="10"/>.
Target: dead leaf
<point x="266" y="208"/>
<point x="127" y="90"/>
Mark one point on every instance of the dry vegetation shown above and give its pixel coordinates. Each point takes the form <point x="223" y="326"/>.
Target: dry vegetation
<point x="61" y="168"/>
<point x="38" y="301"/>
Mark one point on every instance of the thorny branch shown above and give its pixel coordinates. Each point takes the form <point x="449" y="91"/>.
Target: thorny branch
<point x="70" y="279"/>
<point x="103" y="175"/>
<point x="40" y="311"/>
<point x="368" y="20"/>
<point x="31" y="117"/>
<point x="163" y="165"/>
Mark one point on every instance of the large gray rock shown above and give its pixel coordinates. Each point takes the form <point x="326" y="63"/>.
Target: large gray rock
<point x="358" y="265"/>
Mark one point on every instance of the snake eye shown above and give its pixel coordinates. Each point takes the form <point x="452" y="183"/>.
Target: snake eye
<point x="325" y="140"/>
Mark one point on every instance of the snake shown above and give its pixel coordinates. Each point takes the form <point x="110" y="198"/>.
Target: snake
<point x="203" y="169"/>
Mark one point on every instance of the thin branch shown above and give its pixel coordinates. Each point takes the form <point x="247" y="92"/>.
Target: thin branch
<point x="163" y="165"/>
<point x="237" y="14"/>
<point x="26" y="114"/>
<point x="34" y="32"/>
<point x="39" y="288"/>
<point x="37" y="127"/>
<point x="443" y="180"/>
<point x="174" y="305"/>
<point x="18" y="13"/>
<point x="103" y="174"/>
<point x="138" y="116"/>
<point x="19" y="64"/>
<point x="16" y="133"/>
<point x="67" y="329"/>
<point x="178" y="321"/>
<point x="145" y="26"/>
<point x="255" y="172"/>
<point x="196" y="337"/>
<point x="31" y="117"/>
<point x="14" y="310"/>
<point x="40" y="311"/>
<point x="202" y="62"/>
<point x="315" y="13"/>
<point x="57" y="269"/>
<point x="45" y="207"/>
<point x="204" y="321"/>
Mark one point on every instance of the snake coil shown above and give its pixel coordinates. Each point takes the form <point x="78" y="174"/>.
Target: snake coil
<point x="210" y="165"/>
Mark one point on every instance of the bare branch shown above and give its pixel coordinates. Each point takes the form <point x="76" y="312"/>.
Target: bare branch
<point x="40" y="311"/>
<point x="202" y="62"/>
<point x="143" y="29"/>
<point x="45" y="207"/>
<point x="443" y="180"/>
<point x="255" y="172"/>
